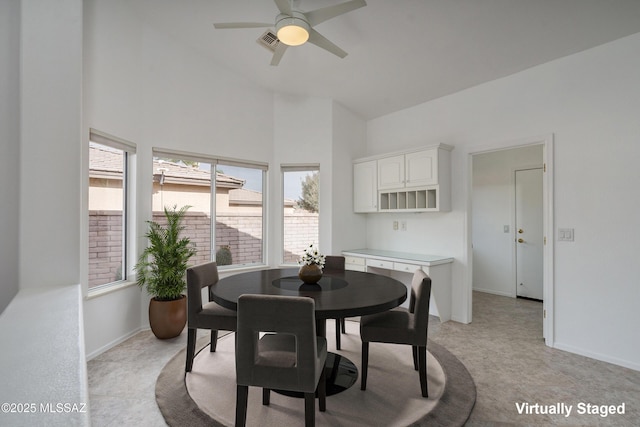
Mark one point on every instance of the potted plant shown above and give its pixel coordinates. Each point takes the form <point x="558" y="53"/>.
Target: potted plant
<point x="161" y="270"/>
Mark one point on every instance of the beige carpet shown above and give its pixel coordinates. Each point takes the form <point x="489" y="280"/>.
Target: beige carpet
<point x="206" y="396"/>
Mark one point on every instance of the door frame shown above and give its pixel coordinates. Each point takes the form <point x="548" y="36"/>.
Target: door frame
<point x="548" y="227"/>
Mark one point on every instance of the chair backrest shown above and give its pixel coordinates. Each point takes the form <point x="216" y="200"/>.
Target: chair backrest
<point x="292" y="318"/>
<point x="198" y="277"/>
<point x="333" y="263"/>
<point x="420" y="298"/>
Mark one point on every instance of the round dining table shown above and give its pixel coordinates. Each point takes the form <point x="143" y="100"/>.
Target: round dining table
<point x="337" y="294"/>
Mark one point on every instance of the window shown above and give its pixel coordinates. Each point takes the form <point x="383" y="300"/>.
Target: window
<point x="109" y="160"/>
<point x="227" y="207"/>
<point x="300" y="210"/>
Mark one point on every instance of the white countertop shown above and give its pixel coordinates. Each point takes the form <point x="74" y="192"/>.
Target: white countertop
<point x="422" y="259"/>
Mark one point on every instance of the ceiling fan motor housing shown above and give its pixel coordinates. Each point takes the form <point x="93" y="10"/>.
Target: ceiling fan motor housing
<point x="292" y="30"/>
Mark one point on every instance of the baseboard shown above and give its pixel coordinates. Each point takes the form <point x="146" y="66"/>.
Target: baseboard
<point x="489" y="291"/>
<point x="598" y="356"/>
<point x="113" y="343"/>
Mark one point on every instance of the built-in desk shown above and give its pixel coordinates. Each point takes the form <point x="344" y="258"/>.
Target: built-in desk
<point x="402" y="265"/>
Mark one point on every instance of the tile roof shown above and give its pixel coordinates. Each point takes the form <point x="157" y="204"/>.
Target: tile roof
<point x="107" y="162"/>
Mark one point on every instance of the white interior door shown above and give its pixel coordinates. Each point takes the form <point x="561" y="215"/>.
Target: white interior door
<point x="529" y="233"/>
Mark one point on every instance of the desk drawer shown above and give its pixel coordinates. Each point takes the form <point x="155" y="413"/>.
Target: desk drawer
<point x="378" y="263"/>
<point x="352" y="260"/>
<point x="408" y="268"/>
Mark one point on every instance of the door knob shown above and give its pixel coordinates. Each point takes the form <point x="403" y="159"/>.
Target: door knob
<point x="520" y="241"/>
<point x="520" y="230"/>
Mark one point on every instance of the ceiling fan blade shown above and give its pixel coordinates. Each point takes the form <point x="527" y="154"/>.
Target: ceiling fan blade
<point x="231" y="25"/>
<point x="320" y="15"/>
<point x="320" y="41"/>
<point x="279" y="52"/>
<point x="284" y="6"/>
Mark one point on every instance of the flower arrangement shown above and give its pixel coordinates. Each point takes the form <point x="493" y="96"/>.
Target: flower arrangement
<point x="312" y="256"/>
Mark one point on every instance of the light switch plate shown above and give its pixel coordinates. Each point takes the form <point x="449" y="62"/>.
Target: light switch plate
<point x="506" y="228"/>
<point x="565" y="234"/>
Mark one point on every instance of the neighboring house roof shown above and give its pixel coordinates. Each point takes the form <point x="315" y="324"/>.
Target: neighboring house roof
<point x="106" y="162"/>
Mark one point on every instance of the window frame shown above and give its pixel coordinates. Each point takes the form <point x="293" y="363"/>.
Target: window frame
<point x="128" y="202"/>
<point x="295" y="167"/>
<point x="216" y="161"/>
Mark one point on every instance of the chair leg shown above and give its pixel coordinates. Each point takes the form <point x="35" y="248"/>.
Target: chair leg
<point x="342" y="323"/>
<point x="322" y="391"/>
<point x="414" y="349"/>
<point x="309" y="409"/>
<point x="338" y="334"/>
<point x="364" y="367"/>
<point x="422" y="361"/>
<point x="266" y="396"/>
<point x="191" y="348"/>
<point x="214" y="340"/>
<point x="242" y="394"/>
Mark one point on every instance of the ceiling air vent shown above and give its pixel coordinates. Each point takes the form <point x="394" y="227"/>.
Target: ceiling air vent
<point x="269" y="40"/>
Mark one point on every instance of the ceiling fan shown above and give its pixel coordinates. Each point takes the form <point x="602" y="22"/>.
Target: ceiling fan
<point x="294" y="27"/>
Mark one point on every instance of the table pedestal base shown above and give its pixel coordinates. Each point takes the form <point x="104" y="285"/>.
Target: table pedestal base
<point x="340" y="372"/>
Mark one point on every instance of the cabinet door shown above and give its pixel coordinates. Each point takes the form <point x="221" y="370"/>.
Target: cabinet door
<point x="391" y="172"/>
<point x="365" y="192"/>
<point x="421" y="168"/>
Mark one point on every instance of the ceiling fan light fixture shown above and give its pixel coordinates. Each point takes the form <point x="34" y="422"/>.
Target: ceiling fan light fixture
<point x="292" y="30"/>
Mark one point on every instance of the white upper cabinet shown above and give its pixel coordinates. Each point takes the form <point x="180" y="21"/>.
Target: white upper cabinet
<point x="391" y="172"/>
<point x="408" y="170"/>
<point x="418" y="180"/>
<point x="365" y="191"/>
<point x="421" y="168"/>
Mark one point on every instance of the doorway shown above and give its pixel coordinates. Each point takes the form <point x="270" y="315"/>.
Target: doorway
<point x="493" y="228"/>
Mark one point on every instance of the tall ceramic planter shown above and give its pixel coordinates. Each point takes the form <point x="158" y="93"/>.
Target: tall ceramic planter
<point x="168" y="318"/>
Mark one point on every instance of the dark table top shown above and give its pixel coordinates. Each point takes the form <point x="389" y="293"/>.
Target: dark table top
<point x="338" y="294"/>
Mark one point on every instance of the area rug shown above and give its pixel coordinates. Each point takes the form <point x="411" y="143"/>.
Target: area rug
<point x="206" y="396"/>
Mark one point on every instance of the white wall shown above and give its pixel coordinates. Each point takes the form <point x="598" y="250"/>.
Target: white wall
<point x="50" y="123"/>
<point x="9" y="149"/>
<point x="142" y="86"/>
<point x="591" y="103"/>
<point x="42" y="41"/>
<point x="302" y="135"/>
<point x="493" y="204"/>
<point x="349" y="142"/>
<point x="309" y="130"/>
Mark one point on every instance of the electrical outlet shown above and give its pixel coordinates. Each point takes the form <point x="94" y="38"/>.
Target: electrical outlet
<point x="403" y="225"/>
<point x="395" y="225"/>
<point x="506" y="228"/>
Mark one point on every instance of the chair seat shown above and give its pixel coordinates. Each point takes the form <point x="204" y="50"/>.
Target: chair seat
<point x="395" y="326"/>
<point x="214" y="309"/>
<point x="215" y="316"/>
<point x="279" y="350"/>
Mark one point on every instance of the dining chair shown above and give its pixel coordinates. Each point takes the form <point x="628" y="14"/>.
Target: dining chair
<point x="288" y="357"/>
<point x="208" y="316"/>
<point x="401" y="326"/>
<point x="334" y="263"/>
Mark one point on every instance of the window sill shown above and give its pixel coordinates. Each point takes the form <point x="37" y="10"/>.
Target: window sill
<point x="95" y="293"/>
<point x="224" y="272"/>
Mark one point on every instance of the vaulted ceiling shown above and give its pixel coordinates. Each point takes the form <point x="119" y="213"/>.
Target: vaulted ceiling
<point x="402" y="52"/>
